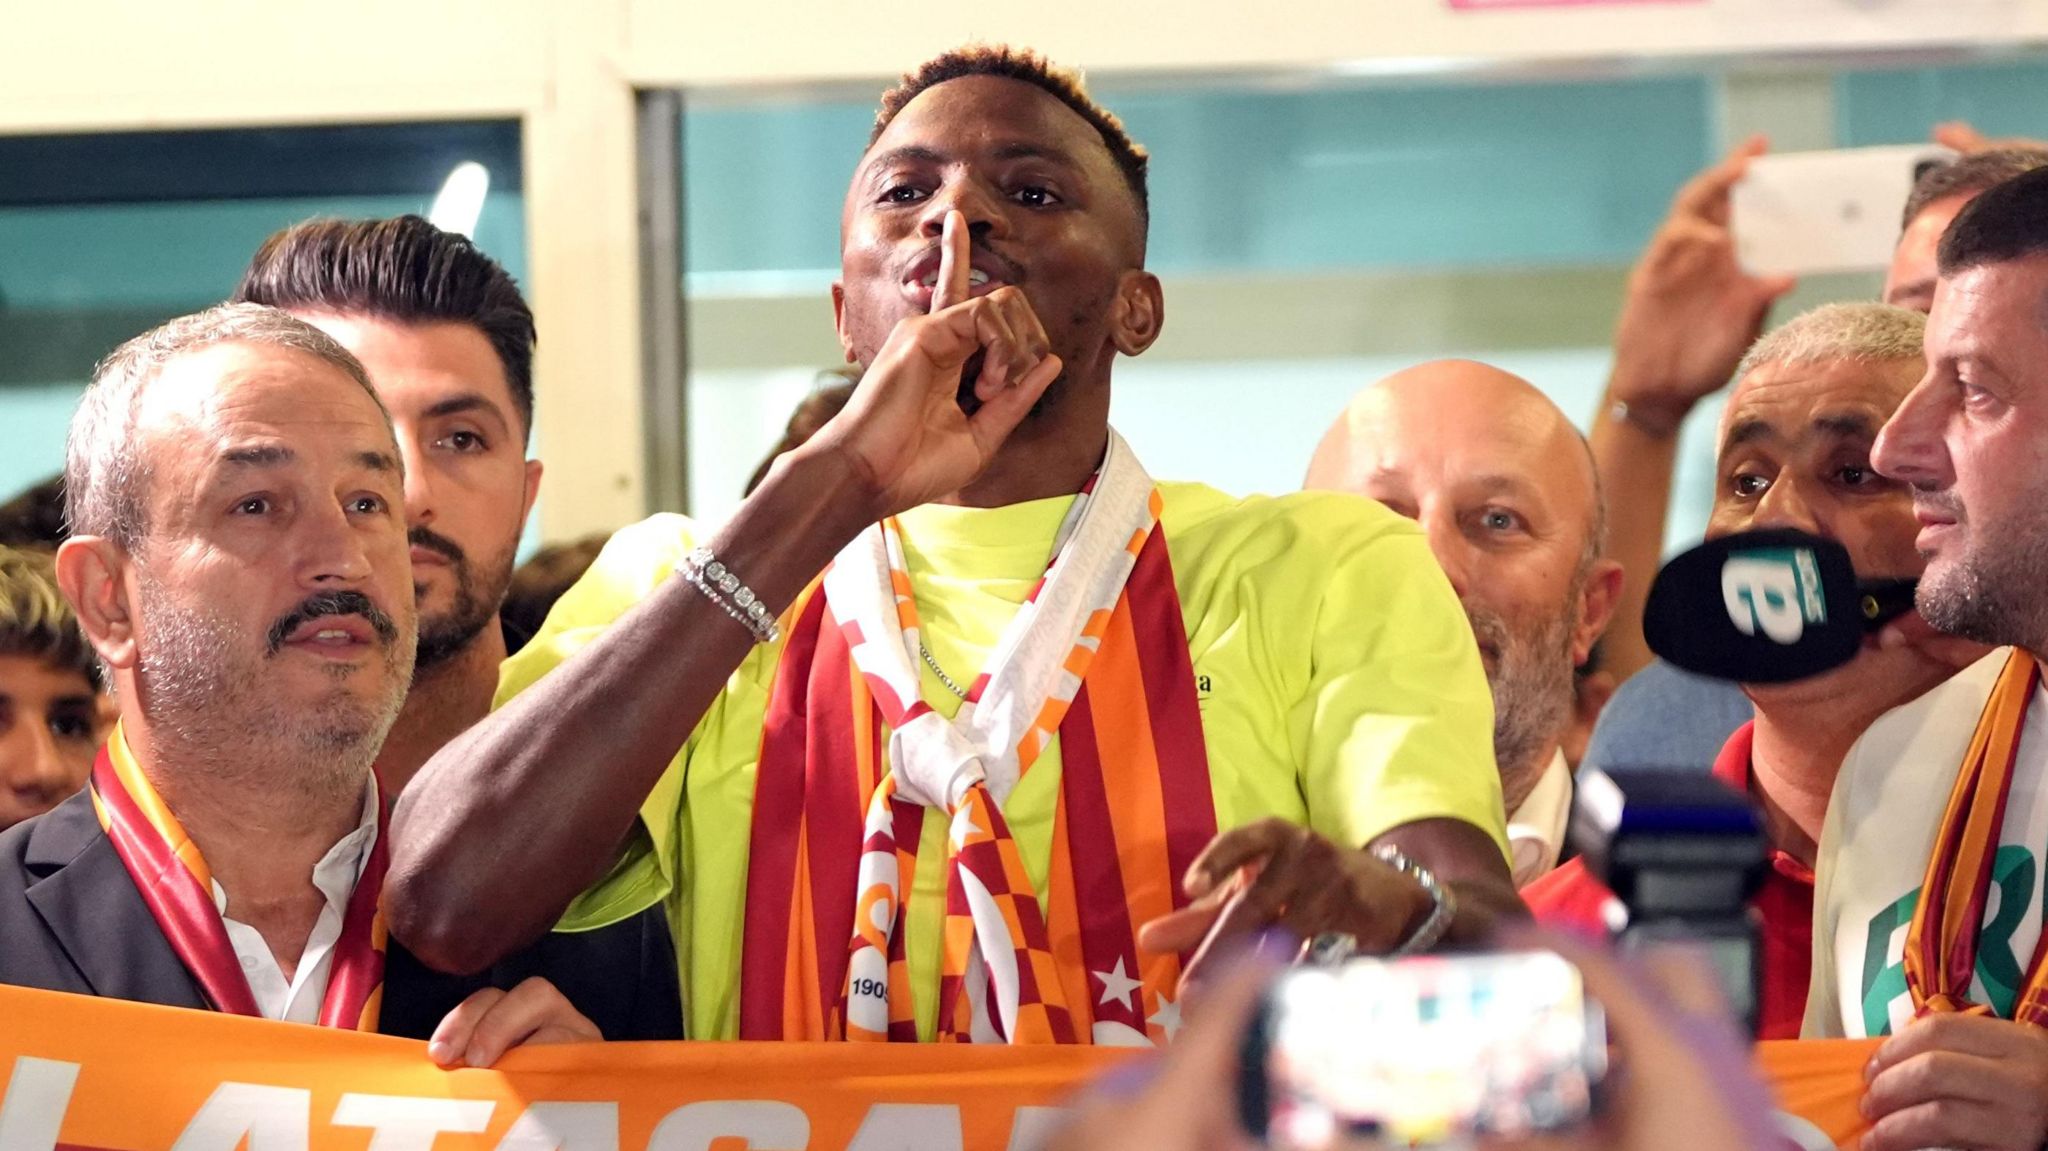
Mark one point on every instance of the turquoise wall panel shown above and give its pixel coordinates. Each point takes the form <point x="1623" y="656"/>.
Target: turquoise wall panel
<point x="1434" y="176"/>
<point x="75" y="281"/>
<point x="1900" y="107"/>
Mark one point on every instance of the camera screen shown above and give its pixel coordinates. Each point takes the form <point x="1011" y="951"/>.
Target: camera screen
<point x="1423" y="1049"/>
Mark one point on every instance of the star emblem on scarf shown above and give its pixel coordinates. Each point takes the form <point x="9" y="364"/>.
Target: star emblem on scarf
<point x="1167" y="1017"/>
<point x="1117" y="986"/>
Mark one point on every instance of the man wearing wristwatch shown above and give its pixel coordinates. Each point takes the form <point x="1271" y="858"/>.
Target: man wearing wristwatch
<point x="1045" y="732"/>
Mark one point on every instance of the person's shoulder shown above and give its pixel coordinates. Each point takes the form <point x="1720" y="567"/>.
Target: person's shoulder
<point x="1945" y="714"/>
<point x="1663" y="685"/>
<point x="633" y="563"/>
<point x="14" y="874"/>
<point x="658" y="542"/>
<point x="34" y="850"/>
<point x="1664" y="716"/>
<point x="41" y="844"/>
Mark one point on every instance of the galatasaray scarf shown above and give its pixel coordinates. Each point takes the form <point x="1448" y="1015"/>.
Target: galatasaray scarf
<point x="1096" y="657"/>
<point x="177" y="886"/>
<point x="1941" y="943"/>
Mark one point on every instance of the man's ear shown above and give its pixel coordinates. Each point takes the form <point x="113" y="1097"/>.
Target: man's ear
<point x="1596" y="606"/>
<point x="90" y="572"/>
<point x="839" y="320"/>
<point x="533" y="470"/>
<point x="1139" y="312"/>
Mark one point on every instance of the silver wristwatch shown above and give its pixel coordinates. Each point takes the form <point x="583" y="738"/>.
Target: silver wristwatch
<point x="1444" y="905"/>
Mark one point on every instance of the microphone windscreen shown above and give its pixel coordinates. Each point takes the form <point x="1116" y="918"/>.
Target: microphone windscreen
<point x="1757" y="607"/>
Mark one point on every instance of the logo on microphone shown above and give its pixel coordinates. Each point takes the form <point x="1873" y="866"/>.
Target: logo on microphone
<point x="1776" y="591"/>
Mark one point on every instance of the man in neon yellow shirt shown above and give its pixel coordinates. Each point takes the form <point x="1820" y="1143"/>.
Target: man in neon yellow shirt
<point x="857" y="836"/>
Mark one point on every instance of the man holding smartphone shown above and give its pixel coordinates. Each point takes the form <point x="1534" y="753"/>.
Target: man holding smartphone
<point x="1690" y="312"/>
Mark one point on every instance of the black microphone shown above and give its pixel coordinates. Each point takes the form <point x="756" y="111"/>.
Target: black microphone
<point x="1766" y="607"/>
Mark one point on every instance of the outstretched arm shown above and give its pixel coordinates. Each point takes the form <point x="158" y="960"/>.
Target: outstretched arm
<point x="512" y="819"/>
<point x="1690" y="314"/>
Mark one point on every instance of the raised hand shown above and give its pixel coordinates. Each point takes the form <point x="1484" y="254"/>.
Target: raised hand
<point x="905" y="432"/>
<point x="1691" y="311"/>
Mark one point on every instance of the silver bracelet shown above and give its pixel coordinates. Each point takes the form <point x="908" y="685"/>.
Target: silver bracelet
<point x="721" y="587"/>
<point x="1444" y="907"/>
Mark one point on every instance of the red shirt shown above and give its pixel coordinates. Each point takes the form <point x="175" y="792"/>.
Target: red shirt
<point x="1571" y="898"/>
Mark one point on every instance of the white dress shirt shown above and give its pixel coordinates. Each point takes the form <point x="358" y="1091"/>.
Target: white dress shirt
<point x="298" y="999"/>
<point x="1537" y="829"/>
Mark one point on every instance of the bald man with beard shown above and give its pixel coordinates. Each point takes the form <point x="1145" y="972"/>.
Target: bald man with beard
<point x="1504" y="487"/>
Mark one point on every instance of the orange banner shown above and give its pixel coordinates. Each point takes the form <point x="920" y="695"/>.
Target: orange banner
<point x="1819" y="1082"/>
<point x="103" y="1075"/>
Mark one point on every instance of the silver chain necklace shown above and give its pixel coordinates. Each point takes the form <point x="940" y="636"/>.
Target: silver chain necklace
<point x="939" y="671"/>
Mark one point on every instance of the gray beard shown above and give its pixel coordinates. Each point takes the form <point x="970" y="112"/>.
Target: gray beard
<point x="209" y="714"/>
<point x="1984" y="596"/>
<point x="1532" y="696"/>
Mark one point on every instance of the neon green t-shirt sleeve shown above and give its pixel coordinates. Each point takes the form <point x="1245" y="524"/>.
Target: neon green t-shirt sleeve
<point x="1398" y="718"/>
<point x="630" y="567"/>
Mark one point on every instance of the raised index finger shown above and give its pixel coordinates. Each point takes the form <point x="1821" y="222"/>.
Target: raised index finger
<point x="954" y="260"/>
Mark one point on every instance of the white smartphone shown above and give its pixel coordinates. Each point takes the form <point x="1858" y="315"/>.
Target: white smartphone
<point x="1801" y="212"/>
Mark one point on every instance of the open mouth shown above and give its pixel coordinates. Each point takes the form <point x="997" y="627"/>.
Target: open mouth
<point x="333" y="635"/>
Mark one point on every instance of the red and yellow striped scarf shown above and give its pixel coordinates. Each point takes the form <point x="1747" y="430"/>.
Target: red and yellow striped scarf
<point x="1134" y="809"/>
<point x="1941" y="943"/>
<point x="177" y="886"/>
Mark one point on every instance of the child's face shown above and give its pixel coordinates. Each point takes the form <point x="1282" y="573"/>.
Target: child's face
<point x="51" y="723"/>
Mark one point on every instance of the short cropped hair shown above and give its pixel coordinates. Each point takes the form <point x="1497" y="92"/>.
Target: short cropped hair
<point x="105" y="470"/>
<point x="1862" y="331"/>
<point x="35" y="621"/>
<point x="1968" y="176"/>
<point x="1063" y="84"/>
<point x="2009" y="222"/>
<point x="402" y="269"/>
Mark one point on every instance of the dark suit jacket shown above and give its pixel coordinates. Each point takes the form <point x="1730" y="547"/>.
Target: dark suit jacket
<point x="72" y="920"/>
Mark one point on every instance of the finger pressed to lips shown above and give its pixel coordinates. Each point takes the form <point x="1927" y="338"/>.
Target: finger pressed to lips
<point x="953" y="270"/>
